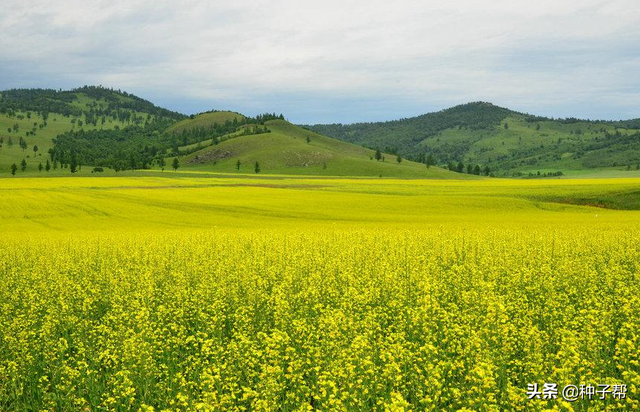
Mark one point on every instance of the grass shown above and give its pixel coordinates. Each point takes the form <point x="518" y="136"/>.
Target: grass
<point x="204" y="120"/>
<point x="56" y="124"/>
<point x="485" y="146"/>
<point x="506" y="141"/>
<point x="285" y="150"/>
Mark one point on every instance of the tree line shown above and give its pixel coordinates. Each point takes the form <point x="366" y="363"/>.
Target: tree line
<point x="143" y="146"/>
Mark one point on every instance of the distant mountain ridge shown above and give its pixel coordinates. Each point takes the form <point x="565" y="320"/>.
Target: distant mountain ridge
<point x="482" y="133"/>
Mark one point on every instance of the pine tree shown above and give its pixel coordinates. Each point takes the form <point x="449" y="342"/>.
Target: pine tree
<point x="47" y="167"/>
<point x="73" y="165"/>
<point x="257" y="167"/>
<point x="430" y="161"/>
<point x="176" y="164"/>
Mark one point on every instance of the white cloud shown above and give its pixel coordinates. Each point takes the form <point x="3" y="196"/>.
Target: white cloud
<point x="549" y="57"/>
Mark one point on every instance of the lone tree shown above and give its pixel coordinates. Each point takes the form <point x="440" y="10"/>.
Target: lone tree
<point x="378" y="154"/>
<point x="14" y="168"/>
<point x="162" y="163"/>
<point x="238" y="165"/>
<point x="23" y="165"/>
<point x="308" y="139"/>
<point x="175" y="164"/>
<point x="40" y="167"/>
<point x="73" y="165"/>
<point x="47" y="167"/>
<point x="506" y="125"/>
<point x="257" y="167"/>
<point x="399" y="159"/>
<point x="35" y="149"/>
<point x="430" y="161"/>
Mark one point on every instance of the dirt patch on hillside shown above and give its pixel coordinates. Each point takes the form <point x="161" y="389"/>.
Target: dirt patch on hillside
<point x="296" y="159"/>
<point x="211" y="156"/>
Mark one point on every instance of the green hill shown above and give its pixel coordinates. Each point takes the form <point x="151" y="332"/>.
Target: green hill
<point x="111" y="129"/>
<point x="93" y="128"/>
<point x="36" y="116"/>
<point x="205" y="120"/>
<point x="289" y="149"/>
<point x="506" y="141"/>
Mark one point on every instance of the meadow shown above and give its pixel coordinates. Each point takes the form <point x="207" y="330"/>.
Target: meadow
<point x="195" y="292"/>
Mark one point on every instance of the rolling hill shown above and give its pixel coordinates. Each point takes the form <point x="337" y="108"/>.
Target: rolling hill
<point x="31" y="118"/>
<point x="289" y="149"/>
<point x="111" y="131"/>
<point x="507" y="141"/>
<point x="93" y="129"/>
<point x="205" y="120"/>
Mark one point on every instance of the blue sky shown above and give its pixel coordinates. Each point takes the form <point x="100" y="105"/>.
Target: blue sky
<point x="334" y="61"/>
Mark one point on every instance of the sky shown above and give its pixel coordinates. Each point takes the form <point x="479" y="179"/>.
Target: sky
<point x="334" y="61"/>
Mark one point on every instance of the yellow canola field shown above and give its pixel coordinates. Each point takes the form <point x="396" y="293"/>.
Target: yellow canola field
<point x="188" y="294"/>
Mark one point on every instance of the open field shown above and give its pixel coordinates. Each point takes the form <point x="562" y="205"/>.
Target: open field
<point x="147" y="202"/>
<point x="188" y="292"/>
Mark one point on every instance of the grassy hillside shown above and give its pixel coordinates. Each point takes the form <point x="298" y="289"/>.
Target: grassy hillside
<point x="39" y="116"/>
<point x="289" y="149"/>
<point x="511" y="142"/>
<point x="98" y="127"/>
<point x="205" y="120"/>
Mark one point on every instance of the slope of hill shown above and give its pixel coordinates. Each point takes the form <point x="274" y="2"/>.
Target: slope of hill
<point x="31" y="118"/>
<point x="289" y="149"/>
<point x="205" y="120"/>
<point x="512" y="142"/>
